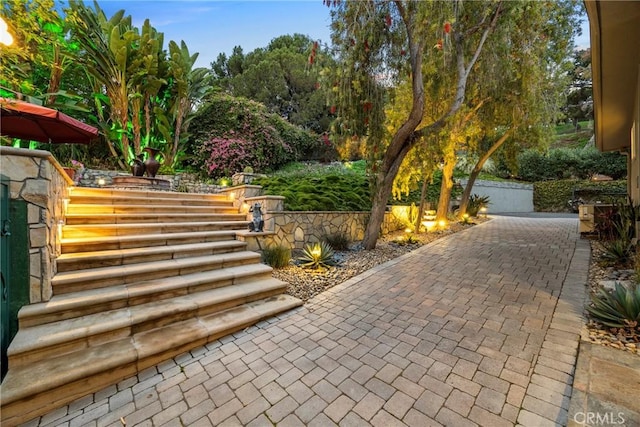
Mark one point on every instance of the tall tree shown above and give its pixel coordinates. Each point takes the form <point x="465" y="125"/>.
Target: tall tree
<point x="580" y="92"/>
<point x="524" y="86"/>
<point x="187" y="87"/>
<point x="109" y="46"/>
<point x="33" y="65"/>
<point x="284" y="76"/>
<point x="375" y="41"/>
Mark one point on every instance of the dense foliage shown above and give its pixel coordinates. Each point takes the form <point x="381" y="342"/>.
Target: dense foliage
<point x="565" y="163"/>
<point x="554" y="196"/>
<point x="105" y="71"/>
<point x="229" y="134"/>
<point x="333" y="191"/>
<point x="284" y="76"/>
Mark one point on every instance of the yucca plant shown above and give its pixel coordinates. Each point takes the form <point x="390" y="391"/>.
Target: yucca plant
<point x="318" y="255"/>
<point x="277" y="256"/>
<point x="619" y="308"/>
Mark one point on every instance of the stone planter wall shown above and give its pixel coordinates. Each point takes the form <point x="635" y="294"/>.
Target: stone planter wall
<point x="38" y="179"/>
<point x="181" y="182"/>
<point x="297" y="229"/>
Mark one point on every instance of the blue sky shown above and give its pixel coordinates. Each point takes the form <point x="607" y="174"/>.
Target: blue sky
<point x="211" y="27"/>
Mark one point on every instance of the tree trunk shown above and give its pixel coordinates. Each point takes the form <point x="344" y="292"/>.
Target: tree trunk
<point x="135" y="124"/>
<point x="445" y="188"/>
<point x="384" y="184"/>
<point x="464" y="203"/>
<point x="403" y="140"/>
<point x="56" y="75"/>
<point x="423" y="195"/>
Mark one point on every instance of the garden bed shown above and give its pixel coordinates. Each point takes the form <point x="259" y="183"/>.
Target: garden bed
<point x="305" y="283"/>
<point x="599" y="274"/>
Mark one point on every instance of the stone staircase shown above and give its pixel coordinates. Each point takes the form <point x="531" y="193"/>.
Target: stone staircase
<point x="143" y="277"/>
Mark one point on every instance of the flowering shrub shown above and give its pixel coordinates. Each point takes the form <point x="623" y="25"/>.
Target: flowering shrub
<point x="229" y="155"/>
<point x="229" y="134"/>
<point x="76" y="164"/>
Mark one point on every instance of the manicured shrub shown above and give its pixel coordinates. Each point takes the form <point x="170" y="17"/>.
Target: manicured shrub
<point x="566" y="163"/>
<point x="336" y="191"/>
<point x="554" y="196"/>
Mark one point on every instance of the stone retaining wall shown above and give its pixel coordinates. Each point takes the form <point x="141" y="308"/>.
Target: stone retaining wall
<point x="37" y="179"/>
<point x="297" y="229"/>
<point x="181" y="182"/>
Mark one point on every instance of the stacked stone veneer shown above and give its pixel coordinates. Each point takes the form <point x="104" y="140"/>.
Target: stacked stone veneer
<point x="296" y="229"/>
<point x="39" y="180"/>
<point x="182" y="182"/>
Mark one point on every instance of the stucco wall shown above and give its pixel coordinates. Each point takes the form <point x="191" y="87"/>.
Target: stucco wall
<point x="39" y="180"/>
<point x="504" y="196"/>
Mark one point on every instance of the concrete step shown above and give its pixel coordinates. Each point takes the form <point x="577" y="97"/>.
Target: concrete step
<point x="96" y="259"/>
<point x="90" y="244"/>
<point x="141" y="208"/>
<point x="128" y="199"/>
<point x="83" y="303"/>
<point x="144" y="194"/>
<point x="48" y="384"/>
<point x="82" y="280"/>
<point x="41" y="342"/>
<point x="153" y="217"/>
<point x="101" y="230"/>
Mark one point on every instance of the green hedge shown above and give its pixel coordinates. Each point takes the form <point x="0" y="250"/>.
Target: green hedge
<point x="567" y="163"/>
<point x="554" y="196"/>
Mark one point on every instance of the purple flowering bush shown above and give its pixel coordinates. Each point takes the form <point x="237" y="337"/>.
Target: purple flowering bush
<point x="229" y="134"/>
<point x="229" y="155"/>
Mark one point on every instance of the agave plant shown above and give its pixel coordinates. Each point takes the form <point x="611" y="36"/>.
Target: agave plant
<point x="617" y="251"/>
<point x="476" y="203"/>
<point x="619" y="308"/>
<point x="318" y="255"/>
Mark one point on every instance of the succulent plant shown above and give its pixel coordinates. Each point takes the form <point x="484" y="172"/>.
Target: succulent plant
<point x="619" y="308"/>
<point x="318" y="255"/>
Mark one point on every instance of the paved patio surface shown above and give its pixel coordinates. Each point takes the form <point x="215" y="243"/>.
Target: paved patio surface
<point x="478" y="328"/>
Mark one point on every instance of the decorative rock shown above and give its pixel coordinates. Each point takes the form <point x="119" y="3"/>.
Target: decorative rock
<point x="36" y="191"/>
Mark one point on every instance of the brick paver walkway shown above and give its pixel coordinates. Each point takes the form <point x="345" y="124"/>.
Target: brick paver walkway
<point x="479" y="328"/>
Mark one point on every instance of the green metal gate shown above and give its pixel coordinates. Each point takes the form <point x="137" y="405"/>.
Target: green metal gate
<point x="5" y="272"/>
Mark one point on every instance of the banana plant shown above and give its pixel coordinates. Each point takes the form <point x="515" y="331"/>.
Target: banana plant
<point x="110" y="48"/>
<point x="188" y="87"/>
